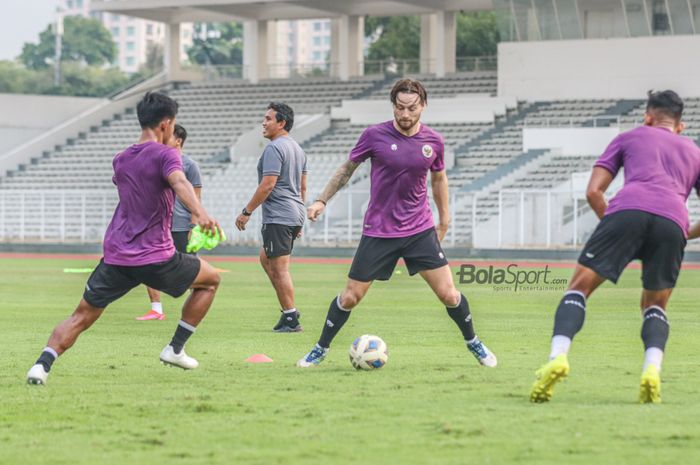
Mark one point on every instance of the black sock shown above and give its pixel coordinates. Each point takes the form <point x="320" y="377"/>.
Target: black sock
<point x="461" y="315"/>
<point x="182" y="334"/>
<point x="570" y="315"/>
<point x="655" y="328"/>
<point x="46" y="359"/>
<point x="335" y="320"/>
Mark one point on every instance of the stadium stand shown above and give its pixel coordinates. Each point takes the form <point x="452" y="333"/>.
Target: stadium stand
<point x="215" y="114"/>
<point x="488" y="156"/>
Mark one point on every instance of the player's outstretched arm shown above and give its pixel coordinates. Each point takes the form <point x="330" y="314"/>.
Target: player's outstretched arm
<point x="339" y="179"/>
<point x="185" y="192"/>
<point x="441" y="196"/>
<point x="595" y="193"/>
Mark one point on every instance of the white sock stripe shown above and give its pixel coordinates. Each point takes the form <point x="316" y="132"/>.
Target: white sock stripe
<point x="461" y="296"/>
<point x="654" y="306"/>
<point x="51" y="351"/>
<point x="663" y="313"/>
<point x="340" y="306"/>
<point x="577" y="293"/>
<point x="290" y="310"/>
<point x="187" y="326"/>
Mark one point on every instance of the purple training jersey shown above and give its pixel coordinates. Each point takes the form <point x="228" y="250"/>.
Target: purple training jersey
<point x="398" y="203"/>
<point x="139" y="233"/>
<point x="661" y="168"/>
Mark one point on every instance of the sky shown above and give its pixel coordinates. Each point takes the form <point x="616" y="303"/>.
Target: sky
<point x="21" y="21"/>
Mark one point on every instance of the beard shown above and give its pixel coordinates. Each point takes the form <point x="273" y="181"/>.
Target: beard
<point x="406" y="124"/>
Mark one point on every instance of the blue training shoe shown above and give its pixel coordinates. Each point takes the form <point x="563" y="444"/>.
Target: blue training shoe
<point x="313" y="358"/>
<point x="482" y="353"/>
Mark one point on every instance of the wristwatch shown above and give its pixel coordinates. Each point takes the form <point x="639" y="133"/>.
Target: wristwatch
<point x="246" y="212"/>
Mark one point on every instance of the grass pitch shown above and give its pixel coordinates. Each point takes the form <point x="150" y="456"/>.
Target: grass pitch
<point x="109" y="401"/>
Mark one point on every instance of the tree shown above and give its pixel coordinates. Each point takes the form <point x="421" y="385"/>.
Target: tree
<point x="15" y="79"/>
<point x="85" y="40"/>
<point x="477" y="34"/>
<point x="217" y="44"/>
<point x="398" y="37"/>
<point x="78" y="79"/>
<point x="395" y="37"/>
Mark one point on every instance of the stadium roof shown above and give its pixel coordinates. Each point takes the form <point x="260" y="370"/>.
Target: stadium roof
<point x="177" y="11"/>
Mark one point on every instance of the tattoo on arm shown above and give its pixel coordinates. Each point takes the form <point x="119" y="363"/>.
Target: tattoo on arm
<point x="339" y="179"/>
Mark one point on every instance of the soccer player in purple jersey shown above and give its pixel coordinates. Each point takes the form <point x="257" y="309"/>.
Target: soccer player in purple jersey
<point x="398" y="222"/>
<point x="138" y="246"/>
<point x="648" y="220"/>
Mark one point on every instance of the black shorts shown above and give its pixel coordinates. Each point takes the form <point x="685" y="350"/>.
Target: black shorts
<point x="633" y="234"/>
<point x="180" y="239"/>
<point x="111" y="282"/>
<point x="376" y="257"/>
<point x="278" y="239"/>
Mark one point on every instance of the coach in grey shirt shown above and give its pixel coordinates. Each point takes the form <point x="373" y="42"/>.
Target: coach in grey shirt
<point x="281" y="192"/>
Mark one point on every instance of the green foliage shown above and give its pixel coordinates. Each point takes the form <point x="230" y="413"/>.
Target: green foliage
<point x="15" y="79"/>
<point x="217" y="44"/>
<point x="86" y="50"/>
<point x="90" y="81"/>
<point x="76" y="79"/>
<point x="477" y="34"/>
<point x="85" y="40"/>
<point x="398" y="37"/>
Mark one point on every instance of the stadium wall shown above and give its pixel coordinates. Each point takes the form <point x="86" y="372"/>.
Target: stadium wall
<point x="598" y="69"/>
<point x="92" y="115"/>
<point x="569" y="141"/>
<point x="26" y="116"/>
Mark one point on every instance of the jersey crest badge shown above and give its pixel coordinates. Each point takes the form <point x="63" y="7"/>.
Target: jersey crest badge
<point x="427" y="151"/>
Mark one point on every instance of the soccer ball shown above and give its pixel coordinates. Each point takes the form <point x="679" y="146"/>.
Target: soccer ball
<point x="368" y="352"/>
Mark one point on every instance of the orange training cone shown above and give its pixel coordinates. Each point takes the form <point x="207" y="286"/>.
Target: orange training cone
<point x="259" y="358"/>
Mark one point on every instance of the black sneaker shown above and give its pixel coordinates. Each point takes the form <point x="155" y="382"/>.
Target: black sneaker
<point x="288" y="323"/>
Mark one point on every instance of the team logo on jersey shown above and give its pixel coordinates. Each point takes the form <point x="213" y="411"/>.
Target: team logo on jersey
<point x="427" y="151"/>
<point x="394" y="147"/>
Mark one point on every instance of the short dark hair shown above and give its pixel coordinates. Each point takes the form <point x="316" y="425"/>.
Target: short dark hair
<point x="666" y="102"/>
<point x="283" y="113"/>
<point x="180" y="133"/>
<point x="153" y="108"/>
<point x="409" y="86"/>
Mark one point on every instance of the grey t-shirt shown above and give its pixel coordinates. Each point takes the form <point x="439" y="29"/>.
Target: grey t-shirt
<point x="284" y="158"/>
<point x="181" y="215"/>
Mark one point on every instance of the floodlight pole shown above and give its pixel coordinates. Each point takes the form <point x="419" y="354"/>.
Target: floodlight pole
<point x="59" y="36"/>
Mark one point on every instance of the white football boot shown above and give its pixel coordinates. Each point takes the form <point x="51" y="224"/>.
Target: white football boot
<point x="181" y="360"/>
<point x="37" y="374"/>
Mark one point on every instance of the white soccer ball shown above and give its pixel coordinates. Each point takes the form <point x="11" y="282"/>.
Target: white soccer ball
<point x="368" y="352"/>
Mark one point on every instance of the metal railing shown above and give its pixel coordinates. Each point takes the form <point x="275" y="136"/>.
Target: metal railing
<point x="483" y="63"/>
<point x="75" y="216"/>
<point x="428" y="66"/>
<point x="529" y="218"/>
<point x="302" y="70"/>
<point x="605" y="121"/>
<point x="287" y="70"/>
